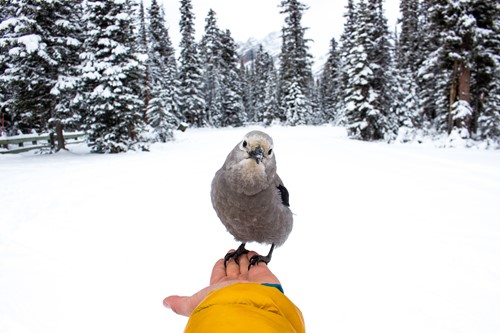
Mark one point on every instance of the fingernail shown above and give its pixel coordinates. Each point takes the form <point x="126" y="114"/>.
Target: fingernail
<point x="166" y="304"/>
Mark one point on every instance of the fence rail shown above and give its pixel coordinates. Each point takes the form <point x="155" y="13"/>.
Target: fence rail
<point x="22" y="143"/>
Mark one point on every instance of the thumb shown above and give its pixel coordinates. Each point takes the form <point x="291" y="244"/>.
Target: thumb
<point x="185" y="305"/>
<point x="180" y="304"/>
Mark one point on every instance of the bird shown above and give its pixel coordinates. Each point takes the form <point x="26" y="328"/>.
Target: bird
<point x="250" y="198"/>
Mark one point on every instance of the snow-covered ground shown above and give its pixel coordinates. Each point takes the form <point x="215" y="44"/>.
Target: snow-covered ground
<point x="387" y="238"/>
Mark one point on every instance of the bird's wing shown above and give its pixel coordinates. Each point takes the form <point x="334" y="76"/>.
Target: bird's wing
<point x="285" y="196"/>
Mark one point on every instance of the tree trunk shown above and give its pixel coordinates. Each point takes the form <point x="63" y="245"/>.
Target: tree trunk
<point x="453" y="95"/>
<point x="464" y="91"/>
<point x="464" y="83"/>
<point x="146" y="97"/>
<point x="60" y="136"/>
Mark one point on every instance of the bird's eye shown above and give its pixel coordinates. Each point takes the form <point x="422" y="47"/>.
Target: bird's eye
<point x="270" y="152"/>
<point x="244" y="144"/>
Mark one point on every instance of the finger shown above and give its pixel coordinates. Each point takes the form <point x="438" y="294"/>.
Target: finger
<point x="185" y="305"/>
<point x="244" y="262"/>
<point x="181" y="305"/>
<point x="218" y="272"/>
<point x="232" y="269"/>
<point x="260" y="272"/>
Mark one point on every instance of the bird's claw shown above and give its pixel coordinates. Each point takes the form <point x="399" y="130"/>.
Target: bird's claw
<point x="258" y="258"/>
<point x="235" y="255"/>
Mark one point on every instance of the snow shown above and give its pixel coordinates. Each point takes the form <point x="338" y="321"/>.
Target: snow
<point x="461" y="110"/>
<point x="31" y="42"/>
<point x="387" y="238"/>
<point x="9" y="22"/>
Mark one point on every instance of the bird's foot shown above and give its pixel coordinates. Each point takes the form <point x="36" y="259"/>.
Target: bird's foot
<point x="236" y="254"/>
<point x="258" y="258"/>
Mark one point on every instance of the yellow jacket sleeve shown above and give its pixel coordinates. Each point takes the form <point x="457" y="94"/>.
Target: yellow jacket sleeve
<point x="246" y="307"/>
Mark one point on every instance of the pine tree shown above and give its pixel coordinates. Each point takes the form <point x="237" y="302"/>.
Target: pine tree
<point x="248" y="87"/>
<point x="296" y="81"/>
<point x="191" y="99"/>
<point x="408" y="38"/>
<point x="222" y="81"/>
<point x="143" y="47"/>
<point x="378" y="49"/>
<point x="162" y="112"/>
<point x="358" y="92"/>
<point x="346" y="45"/>
<point x="457" y="26"/>
<point x="318" y="115"/>
<point x="271" y="100"/>
<point x="405" y="106"/>
<point x="25" y="53"/>
<point x="329" y="84"/>
<point x="486" y="75"/>
<point x="40" y="40"/>
<point x="405" y="102"/>
<point x="465" y="55"/>
<point x="232" y="93"/>
<point x="263" y="70"/>
<point x="66" y="32"/>
<point x="366" y="97"/>
<point x="112" y="80"/>
<point x="431" y="81"/>
<point x="7" y="14"/>
<point x="211" y="49"/>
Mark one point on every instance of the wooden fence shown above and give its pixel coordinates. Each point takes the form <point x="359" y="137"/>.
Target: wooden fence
<point x="23" y="143"/>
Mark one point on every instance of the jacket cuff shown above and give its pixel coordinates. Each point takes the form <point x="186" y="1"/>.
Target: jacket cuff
<point x="275" y="285"/>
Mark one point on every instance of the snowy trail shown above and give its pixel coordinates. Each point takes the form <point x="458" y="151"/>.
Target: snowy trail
<point x="404" y="238"/>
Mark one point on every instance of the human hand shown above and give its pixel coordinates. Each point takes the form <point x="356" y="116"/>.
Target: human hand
<point x="221" y="277"/>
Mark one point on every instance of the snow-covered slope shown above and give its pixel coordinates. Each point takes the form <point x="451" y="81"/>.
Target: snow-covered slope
<point x="387" y="238"/>
<point x="272" y="45"/>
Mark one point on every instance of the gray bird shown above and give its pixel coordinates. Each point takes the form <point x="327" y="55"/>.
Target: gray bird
<point x="250" y="198"/>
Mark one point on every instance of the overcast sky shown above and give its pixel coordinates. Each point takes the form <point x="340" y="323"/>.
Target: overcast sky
<point x="257" y="18"/>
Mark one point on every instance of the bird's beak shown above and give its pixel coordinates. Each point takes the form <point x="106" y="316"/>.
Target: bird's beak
<point x="257" y="154"/>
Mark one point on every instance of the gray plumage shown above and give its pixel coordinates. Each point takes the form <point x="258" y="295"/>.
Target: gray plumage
<point x="250" y="198"/>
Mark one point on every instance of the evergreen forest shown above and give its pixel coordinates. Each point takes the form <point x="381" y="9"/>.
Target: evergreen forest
<point x="109" y="68"/>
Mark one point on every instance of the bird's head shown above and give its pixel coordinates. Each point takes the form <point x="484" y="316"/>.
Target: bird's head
<point x="258" y="146"/>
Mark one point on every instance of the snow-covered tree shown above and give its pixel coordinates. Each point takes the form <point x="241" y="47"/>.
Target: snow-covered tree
<point x="25" y="52"/>
<point x="329" y="89"/>
<point x="211" y="47"/>
<point x="346" y="45"/>
<point x="262" y="75"/>
<point x="457" y="26"/>
<point x="365" y="90"/>
<point x="7" y="23"/>
<point x="111" y="78"/>
<point x="271" y="104"/>
<point x="485" y="79"/>
<point x="430" y="79"/>
<point x="359" y="96"/>
<point x="223" y="89"/>
<point x="405" y="103"/>
<point x="232" y="93"/>
<point x="143" y="47"/>
<point x="296" y="81"/>
<point x="404" y="91"/>
<point x="191" y="99"/>
<point x="407" y="52"/>
<point x="378" y="48"/>
<point x="162" y="111"/>
<point x="40" y="40"/>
